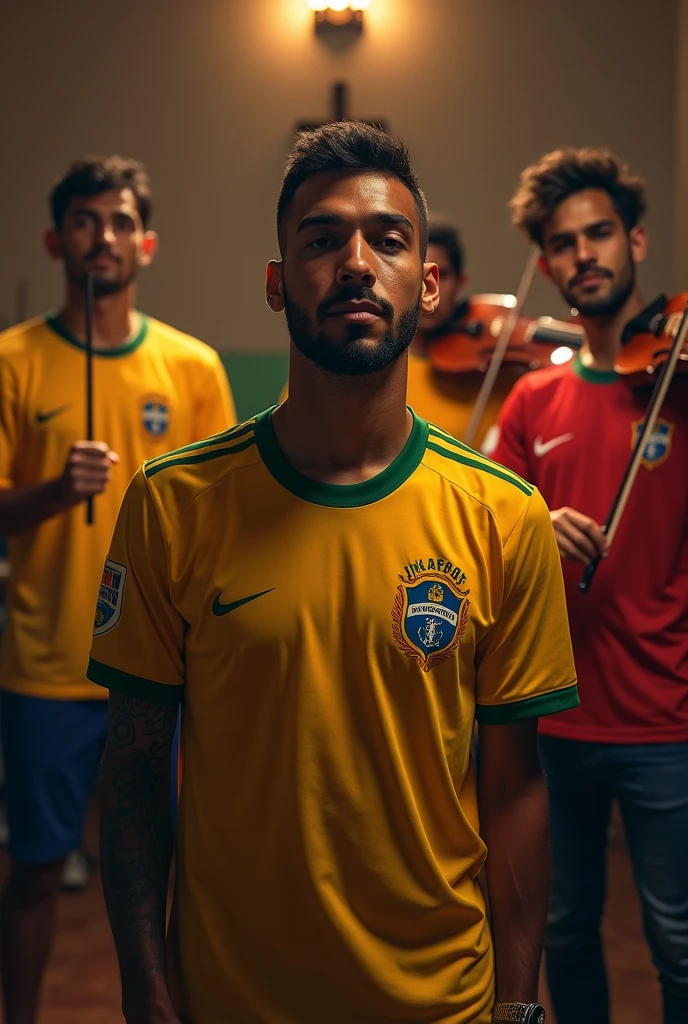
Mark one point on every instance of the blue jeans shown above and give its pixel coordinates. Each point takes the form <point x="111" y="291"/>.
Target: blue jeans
<point x="650" y="784"/>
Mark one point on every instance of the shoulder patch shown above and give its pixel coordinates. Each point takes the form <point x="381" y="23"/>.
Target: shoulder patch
<point x="110" y="597"/>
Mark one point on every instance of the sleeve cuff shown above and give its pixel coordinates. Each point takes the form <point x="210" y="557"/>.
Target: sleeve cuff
<point x="532" y="707"/>
<point x="134" y="686"/>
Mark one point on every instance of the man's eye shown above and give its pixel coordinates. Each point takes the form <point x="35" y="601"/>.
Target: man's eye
<point x="560" y="246"/>
<point x="390" y="242"/>
<point x="319" y="243"/>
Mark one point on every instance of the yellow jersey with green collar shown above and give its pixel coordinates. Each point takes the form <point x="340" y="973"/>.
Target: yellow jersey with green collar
<point x="161" y="390"/>
<point x="332" y="646"/>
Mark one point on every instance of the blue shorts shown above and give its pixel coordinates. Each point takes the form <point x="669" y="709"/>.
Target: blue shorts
<point x="52" y="751"/>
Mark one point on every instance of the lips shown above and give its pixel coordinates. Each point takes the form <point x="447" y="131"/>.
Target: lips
<point x="357" y="309"/>
<point x="590" y="279"/>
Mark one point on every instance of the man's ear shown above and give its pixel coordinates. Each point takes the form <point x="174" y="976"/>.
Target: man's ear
<point x="53" y="245"/>
<point x="148" y="249"/>
<point x="543" y="267"/>
<point x="274" y="288"/>
<point x="639" y="244"/>
<point x="431" y="288"/>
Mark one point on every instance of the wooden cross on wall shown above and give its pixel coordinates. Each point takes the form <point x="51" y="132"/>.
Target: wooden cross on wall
<point x="340" y="98"/>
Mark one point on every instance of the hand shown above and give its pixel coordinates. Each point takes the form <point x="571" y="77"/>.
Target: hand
<point x="578" y="536"/>
<point x="86" y="472"/>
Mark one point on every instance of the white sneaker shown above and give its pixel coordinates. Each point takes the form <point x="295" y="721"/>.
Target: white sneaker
<point x="76" y="873"/>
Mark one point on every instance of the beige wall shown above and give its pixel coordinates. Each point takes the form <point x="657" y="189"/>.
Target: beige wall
<point x="206" y="92"/>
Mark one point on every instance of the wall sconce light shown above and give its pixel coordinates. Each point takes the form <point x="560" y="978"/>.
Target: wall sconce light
<point x="338" y="14"/>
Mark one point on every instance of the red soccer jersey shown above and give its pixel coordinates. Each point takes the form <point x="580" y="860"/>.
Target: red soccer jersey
<point x="571" y="431"/>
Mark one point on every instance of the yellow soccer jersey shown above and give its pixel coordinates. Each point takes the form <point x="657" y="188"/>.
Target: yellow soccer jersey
<point x="332" y="645"/>
<point x="448" y="400"/>
<point x="161" y="390"/>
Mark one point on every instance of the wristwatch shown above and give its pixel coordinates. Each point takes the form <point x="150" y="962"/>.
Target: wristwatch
<point x="519" y="1013"/>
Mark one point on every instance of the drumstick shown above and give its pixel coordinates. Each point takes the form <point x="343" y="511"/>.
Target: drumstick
<point x="89" y="379"/>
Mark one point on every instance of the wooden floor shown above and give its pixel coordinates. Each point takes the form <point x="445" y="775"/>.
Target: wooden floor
<point x="82" y="985"/>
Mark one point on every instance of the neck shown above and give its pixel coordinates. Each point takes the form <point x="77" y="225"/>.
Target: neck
<point x="340" y="429"/>
<point x="603" y="334"/>
<point x="115" y="319"/>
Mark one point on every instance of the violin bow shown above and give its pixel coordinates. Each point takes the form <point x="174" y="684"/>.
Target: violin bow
<point x="501" y="346"/>
<point x="90" y="289"/>
<point x="650" y="422"/>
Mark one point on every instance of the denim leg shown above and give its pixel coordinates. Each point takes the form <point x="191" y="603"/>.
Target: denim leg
<point x="580" y="806"/>
<point x="651" y="785"/>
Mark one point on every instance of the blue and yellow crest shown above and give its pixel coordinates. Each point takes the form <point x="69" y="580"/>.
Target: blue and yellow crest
<point x="429" y="618"/>
<point x="110" y="597"/>
<point x="155" y="414"/>
<point x="658" y="447"/>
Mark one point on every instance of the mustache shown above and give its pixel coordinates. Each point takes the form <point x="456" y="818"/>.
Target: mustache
<point x="350" y="293"/>
<point x="102" y="250"/>
<point x="592" y="269"/>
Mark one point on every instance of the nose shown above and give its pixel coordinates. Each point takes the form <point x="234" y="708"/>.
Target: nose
<point x="105" y="233"/>
<point x="357" y="264"/>
<point x="585" y="251"/>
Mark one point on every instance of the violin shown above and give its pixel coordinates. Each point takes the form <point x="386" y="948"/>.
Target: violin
<point x="532" y="343"/>
<point x="651" y="350"/>
<point x="647" y="341"/>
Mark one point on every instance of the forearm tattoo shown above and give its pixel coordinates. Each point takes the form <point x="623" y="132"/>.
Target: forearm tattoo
<point x="136" y="835"/>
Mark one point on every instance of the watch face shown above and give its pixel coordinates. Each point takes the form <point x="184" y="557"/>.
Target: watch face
<point x="536" y="1015"/>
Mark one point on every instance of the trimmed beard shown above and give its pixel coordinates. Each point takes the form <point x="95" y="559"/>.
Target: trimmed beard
<point x="353" y="357"/>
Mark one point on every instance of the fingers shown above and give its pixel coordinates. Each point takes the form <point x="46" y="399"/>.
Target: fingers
<point x="87" y="471"/>
<point x="578" y="536"/>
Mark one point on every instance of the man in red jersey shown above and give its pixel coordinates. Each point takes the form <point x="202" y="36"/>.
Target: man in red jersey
<point x="570" y="430"/>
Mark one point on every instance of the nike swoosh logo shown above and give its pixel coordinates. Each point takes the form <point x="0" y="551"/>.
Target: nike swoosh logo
<point x="222" y="609"/>
<point x="541" y="447"/>
<point x="43" y="417"/>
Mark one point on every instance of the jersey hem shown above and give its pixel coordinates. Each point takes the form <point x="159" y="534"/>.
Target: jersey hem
<point x="530" y="707"/>
<point x="614" y="736"/>
<point x="54" y="691"/>
<point x="135" y="686"/>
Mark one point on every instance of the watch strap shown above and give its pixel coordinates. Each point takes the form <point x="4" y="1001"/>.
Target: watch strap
<point x="518" y="1013"/>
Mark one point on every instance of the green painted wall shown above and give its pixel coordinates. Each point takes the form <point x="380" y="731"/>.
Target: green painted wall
<point x="256" y="379"/>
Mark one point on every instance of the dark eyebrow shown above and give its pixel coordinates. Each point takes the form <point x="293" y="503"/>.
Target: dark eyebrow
<point x="84" y="211"/>
<point x="329" y="219"/>
<point x="561" y="235"/>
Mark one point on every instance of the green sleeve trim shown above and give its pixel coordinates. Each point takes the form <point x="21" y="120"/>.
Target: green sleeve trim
<point x="134" y="686"/>
<point x="531" y="707"/>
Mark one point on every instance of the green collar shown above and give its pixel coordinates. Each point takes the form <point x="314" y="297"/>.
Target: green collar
<point x="53" y="321"/>
<point x="593" y="376"/>
<point x="340" y="495"/>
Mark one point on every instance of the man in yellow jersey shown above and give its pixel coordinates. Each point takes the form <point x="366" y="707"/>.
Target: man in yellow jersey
<point x="441" y="398"/>
<point x="335" y="591"/>
<point x="154" y="389"/>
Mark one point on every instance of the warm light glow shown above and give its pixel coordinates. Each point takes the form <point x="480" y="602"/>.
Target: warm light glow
<point x="338" y="5"/>
<point x="561" y="355"/>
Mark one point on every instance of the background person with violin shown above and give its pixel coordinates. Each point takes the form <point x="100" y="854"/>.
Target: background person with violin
<point x="447" y="398"/>
<point x="571" y="431"/>
<point x="154" y="389"/>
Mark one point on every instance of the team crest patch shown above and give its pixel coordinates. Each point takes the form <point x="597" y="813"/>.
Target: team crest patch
<point x="429" y="618"/>
<point x="110" y="597"/>
<point x="155" y="415"/>
<point x="658" y="447"/>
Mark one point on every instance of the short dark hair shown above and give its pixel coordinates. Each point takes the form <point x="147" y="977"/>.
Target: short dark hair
<point x="349" y="146"/>
<point x="562" y="173"/>
<point x="95" y="174"/>
<point x="441" y="232"/>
